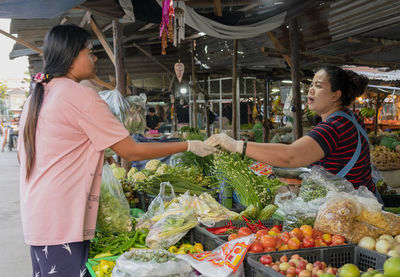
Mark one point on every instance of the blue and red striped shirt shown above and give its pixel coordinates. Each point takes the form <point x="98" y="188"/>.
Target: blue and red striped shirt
<point x="338" y="138"/>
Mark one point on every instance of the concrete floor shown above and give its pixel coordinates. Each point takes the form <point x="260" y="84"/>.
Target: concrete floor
<point x="14" y="255"/>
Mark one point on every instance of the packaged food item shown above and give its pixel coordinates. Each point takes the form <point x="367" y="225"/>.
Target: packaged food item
<point x="223" y="261"/>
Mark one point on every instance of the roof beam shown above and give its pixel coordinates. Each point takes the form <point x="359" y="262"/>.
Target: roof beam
<point x="84" y="19"/>
<point x="150" y="56"/>
<point x="20" y="41"/>
<point x="107" y="27"/>
<point x="102" y="39"/>
<point x="380" y="48"/>
<point x="272" y="52"/>
<point x="64" y="20"/>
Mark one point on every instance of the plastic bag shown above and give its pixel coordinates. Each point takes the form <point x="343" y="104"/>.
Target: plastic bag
<point x="149" y="263"/>
<point x="156" y="206"/>
<point x="114" y="213"/>
<point x="118" y="105"/>
<point x="223" y="261"/>
<point x="319" y="181"/>
<point x="210" y="211"/>
<point x="295" y="211"/>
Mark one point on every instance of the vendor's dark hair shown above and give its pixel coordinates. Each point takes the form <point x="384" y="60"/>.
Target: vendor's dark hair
<point x="152" y="110"/>
<point x="348" y="82"/>
<point x="62" y="45"/>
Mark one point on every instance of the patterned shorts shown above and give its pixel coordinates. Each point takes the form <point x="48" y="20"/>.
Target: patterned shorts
<point x="63" y="260"/>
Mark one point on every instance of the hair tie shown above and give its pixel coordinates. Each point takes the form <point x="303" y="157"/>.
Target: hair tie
<point x="40" y="78"/>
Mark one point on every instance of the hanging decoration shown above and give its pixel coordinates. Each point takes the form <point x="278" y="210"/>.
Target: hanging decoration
<point x="179" y="25"/>
<point x="179" y="70"/>
<point x="166" y="28"/>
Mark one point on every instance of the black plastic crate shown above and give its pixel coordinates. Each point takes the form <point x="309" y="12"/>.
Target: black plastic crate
<point x="335" y="256"/>
<point x="207" y="239"/>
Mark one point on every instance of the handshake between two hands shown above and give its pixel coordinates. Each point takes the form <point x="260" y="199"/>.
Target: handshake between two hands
<point x="207" y="147"/>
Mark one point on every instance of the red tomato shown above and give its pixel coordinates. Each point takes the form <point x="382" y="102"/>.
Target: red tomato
<point x="261" y="233"/>
<point x="285" y="236"/>
<point x="308" y="242"/>
<point x="266" y="259"/>
<point x="294" y="243"/>
<point x="338" y="240"/>
<point x="275" y="229"/>
<point x="256" y="247"/>
<point x="269" y="249"/>
<point x="327" y="238"/>
<point x="233" y="236"/>
<point x="307" y="230"/>
<point x="268" y="241"/>
<point x="319" y="243"/>
<point x="244" y="231"/>
<point x="297" y="233"/>
<point x="278" y="243"/>
<point x="316" y="233"/>
<point x="283" y="247"/>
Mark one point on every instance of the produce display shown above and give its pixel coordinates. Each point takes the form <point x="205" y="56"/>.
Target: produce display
<point x="270" y="240"/>
<point x="117" y="243"/>
<point x="251" y="188"/>
<point x="385" y="158"/>
<point x="296" y="266"/>
<point x="385" y="244"/>
<point x="103" y="267"/>
<point x="186" y="248"/>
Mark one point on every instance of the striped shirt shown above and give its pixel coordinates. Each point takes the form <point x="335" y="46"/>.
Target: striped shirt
<point x="337" y="137"/>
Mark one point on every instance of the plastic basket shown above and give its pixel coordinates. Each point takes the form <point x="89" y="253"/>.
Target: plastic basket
<point x="335" y="256"/>
<point x="95" y="261"/>
<point x="207" y="239"/>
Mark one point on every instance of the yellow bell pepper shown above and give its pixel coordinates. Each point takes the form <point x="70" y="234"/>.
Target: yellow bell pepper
<point x="199" y="247"/>
<point x="99" y="273"/>
<point x="173" y="249"/>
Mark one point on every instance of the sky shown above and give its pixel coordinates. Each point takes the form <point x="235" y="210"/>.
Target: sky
<point x="11" y="71"/>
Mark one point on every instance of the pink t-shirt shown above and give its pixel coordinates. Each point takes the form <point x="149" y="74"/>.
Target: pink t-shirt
<point x="59" y="201"/>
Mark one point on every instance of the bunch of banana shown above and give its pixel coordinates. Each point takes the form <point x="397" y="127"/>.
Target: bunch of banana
<point x="367" y="112"/>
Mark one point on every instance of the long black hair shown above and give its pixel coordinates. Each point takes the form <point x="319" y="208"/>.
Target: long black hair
<point x="62" y="45"/>
<point x="348" y="82"/>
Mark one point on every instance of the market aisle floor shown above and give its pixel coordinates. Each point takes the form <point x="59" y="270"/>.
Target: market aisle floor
<point x="14" y="255"/>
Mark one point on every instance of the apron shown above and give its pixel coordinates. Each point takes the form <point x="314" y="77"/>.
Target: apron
<point x="356" y="155"/>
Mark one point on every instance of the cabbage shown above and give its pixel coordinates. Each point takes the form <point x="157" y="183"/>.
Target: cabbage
<point x="162" y="169"/>
<point x="139" y="176"/>
<point x="119" y="172"/>
<point x="152" y="165"/>
<point x="132" y="171"/>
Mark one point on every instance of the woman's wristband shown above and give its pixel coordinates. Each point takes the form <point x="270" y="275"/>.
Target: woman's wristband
<point x="244" y="149"/>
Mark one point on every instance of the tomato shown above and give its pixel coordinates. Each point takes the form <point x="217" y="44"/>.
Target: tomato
<point x="268" y="241"/>
<point x="294" y="243"/>
<point x="269" y="249"/>
<point x="275" y="229"/>
<point x="317" y="233"/>
<point x="297" y="233"/>
<point x="233" y="236"/>
<point x="273" y="233"/>
<point x="319" y="243"/>
<point x="256" y="247"/>
<point x="283" y="247"/>
<point x="327" y="238"/>
<point x="278" y="243"/>
<point x="261" y="233"/>
<point x="266" y="259"/>
<point x="285" y="236"/>
<point x="338" y="240"/>
<point x="308" y="242"/>
<point x="244" y="231"/>
<point x="307" y="230"/>
<point x="284" y="259"/>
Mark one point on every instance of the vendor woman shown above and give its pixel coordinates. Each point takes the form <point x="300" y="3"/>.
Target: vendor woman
<point x="338" y="142"/>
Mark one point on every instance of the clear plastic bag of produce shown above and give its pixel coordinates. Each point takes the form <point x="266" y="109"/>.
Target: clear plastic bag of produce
<point x="114" y="213"/>
<point x="352" y="215"/>
<point x="224" y="261"/>
<point x="135" y="119"/>
<point x="149" y="263"/>
<point x="157" y="206"/>
<point x="319" y="181"/>
<point x="294" y="211"/>
<point x="118" y="105"/>
<point x="210" y="211"/>
<point x="169" y="227"/>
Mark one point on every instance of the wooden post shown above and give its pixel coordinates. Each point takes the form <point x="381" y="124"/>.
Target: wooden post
<point x="378" y="99"/>
<point x="294" y="58"/>
<point x="234" y="88"/>
<point x="266" y="112"/>
<point x="194" y="87"/>
<point x="120" y="71"/>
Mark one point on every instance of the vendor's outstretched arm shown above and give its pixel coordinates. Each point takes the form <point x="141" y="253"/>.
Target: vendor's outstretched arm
<point x="302" y="152"/>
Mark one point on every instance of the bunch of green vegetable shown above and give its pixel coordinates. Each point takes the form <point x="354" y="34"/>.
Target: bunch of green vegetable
<point x="117" y="243"/>
<point x="251" y="188"/>
<point x="150" y="255"/>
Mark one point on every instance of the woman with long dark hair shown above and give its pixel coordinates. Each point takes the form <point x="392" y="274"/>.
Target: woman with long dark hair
<point x="339" y="143"/>
<point x="65" y="128"/>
